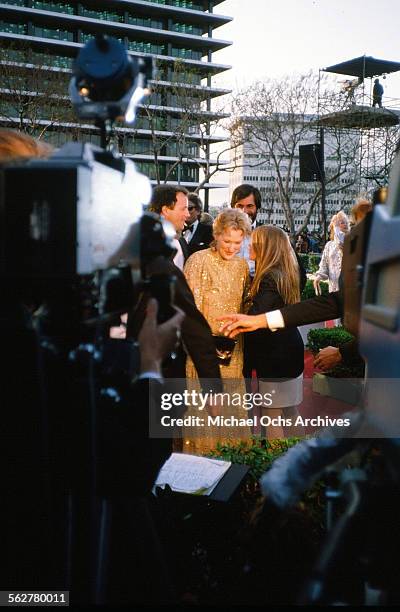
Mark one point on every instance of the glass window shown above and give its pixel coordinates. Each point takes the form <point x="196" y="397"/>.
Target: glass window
<point x="188" y="28"/>
<point x="190" y="4"/>
<point x="103" y="15"/>
<point x="59" y="7"/>
<point x="146" y="47"/>
<point x="59" y="61"/>
<point x="145" y="22"/>
<point x="186" y="53"/>
<point x="13" y="28"/>
<point x="57" y="33"/>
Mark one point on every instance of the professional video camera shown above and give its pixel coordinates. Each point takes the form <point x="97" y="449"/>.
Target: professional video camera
<point x="75" y="249"/>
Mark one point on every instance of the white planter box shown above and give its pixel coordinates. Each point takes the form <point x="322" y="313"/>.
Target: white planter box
<point x="342" y="389"/>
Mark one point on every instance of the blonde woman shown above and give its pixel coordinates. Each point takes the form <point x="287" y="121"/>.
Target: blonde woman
<point x="219" y="280"/>
<point x="331" y="260"/>
<point x="277" y="357"/>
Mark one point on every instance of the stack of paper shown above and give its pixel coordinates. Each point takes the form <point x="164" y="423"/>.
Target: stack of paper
<point x="192" y="474"/>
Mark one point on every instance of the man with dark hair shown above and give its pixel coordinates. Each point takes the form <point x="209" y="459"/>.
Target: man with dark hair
<point x="171" y="203"/>
<point x="198" y="235"/>
<point x="248" y="199"/>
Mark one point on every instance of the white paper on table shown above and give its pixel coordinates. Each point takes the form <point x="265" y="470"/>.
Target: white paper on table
<point x="191" y="474"/>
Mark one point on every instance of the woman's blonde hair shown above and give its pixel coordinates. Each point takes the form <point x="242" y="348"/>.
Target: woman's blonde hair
<point x="360" y="209"/>
<point x="232" y="218"/>
<point x="335" y="220"/>
<point x="275" y="256"/>
<point x="16" y="145"/>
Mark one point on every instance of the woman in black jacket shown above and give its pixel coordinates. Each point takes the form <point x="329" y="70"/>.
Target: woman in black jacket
<point x="279" y="355"/>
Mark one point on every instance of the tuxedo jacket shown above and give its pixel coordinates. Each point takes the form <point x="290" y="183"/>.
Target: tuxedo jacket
<point x="201" y="239"/>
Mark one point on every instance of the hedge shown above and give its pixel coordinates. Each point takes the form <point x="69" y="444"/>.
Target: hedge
<point x="309" y="292"/>
<point x="334" y="336"/>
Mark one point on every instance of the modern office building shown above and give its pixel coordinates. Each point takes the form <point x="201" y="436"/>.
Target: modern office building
<point x="258" y="168"/>
<point x="166" y="140"/>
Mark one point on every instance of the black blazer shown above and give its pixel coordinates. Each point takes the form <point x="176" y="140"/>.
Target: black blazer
<point x="277" y="354"/>
<point x="201" y="239"/>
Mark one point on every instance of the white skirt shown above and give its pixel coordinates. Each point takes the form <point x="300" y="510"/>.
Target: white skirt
<point x="284" y="394"/>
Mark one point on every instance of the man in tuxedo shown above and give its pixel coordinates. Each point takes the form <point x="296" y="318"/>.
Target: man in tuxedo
<point x="171" y="203"/>
<point x="198" y="235"/>
<point x="248" y="199"/>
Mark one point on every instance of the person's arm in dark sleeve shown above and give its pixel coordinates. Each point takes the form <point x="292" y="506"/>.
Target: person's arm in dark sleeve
<point x="196" y="333"/>
<point x="314" y="310"/>
<point x="350" y="352"/>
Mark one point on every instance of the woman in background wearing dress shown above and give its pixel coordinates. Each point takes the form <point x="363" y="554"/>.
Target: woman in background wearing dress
<point x="331" y="261"/>
<point x="219" y="280"/>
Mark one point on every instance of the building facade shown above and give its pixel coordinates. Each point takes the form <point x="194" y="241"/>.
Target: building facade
<point x="266" y="171"/>
<point x="166" y="140"/>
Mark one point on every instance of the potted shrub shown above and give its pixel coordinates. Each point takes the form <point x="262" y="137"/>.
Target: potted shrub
<point x="343" y="381"/>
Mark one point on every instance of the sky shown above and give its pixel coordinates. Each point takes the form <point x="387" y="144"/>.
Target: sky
<point x="274" y="38"/>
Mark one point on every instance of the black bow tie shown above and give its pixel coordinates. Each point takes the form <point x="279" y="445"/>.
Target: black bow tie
<point x="188" y="227"/>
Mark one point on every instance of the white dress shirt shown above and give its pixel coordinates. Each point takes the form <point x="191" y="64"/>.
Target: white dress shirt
<point x="189" y="232"/>
<point x="275" y="320"/>
<point x="179" y="259"/>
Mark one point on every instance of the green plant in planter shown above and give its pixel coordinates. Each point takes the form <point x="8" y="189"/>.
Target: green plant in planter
<point x="320" y="338"/>
<point x="309" y="292"/>
<point x="335" y="336"/>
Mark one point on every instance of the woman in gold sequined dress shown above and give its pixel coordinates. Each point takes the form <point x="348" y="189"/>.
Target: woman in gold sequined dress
<point x="219" y="280"/>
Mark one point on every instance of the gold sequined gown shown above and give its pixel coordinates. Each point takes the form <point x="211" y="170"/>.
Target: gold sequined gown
<point x="219" y="287"/>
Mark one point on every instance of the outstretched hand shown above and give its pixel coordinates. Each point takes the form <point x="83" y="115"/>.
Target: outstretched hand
<point x="234" y="324"/>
